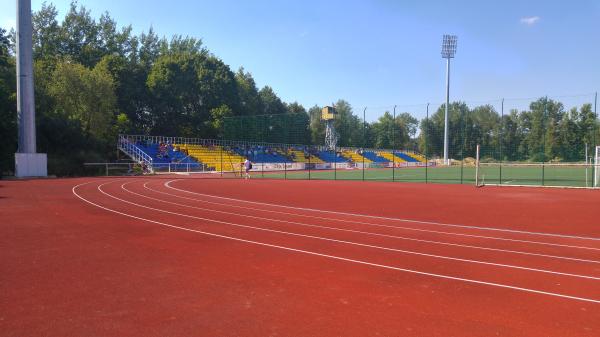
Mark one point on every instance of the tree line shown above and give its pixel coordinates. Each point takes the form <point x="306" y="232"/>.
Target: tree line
<point x="94" y="80"/>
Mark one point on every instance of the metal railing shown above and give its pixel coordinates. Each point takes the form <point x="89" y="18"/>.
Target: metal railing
<point x="133" y="151"/>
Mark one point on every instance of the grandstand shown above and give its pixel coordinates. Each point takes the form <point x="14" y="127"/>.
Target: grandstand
<point x="391" y="157"/>
<point x="169" y="154"/>
<point x="216" y="157"/>
<point x="408" y="157"/>
<point x="331" y="157"/>
<point x="302" y="156"/>
<point x="374" y="157"/>
<point x="261" y="154"/>
<point x="353" y="155"/>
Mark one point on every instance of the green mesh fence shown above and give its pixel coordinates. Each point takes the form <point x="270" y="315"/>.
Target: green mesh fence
<point x="547" y="141"/>
<point x="282" y="128"/>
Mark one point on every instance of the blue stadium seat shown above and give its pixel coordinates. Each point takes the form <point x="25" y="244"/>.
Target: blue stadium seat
<point x="331" y="157"/>
<point x="373" y="157"/>
<point x="177" y="158"/>
<point x="406" y="157"/>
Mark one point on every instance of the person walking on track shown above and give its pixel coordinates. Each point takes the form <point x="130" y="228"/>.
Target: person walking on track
<point x="247" y="167"/>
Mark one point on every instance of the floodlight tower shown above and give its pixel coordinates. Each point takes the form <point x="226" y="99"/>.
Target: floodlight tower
<point x="448" y="52"/>
<point x="28" y="163"/>
<point x="328" y="114"/>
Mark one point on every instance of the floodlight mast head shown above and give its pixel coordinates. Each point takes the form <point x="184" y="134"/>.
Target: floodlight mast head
<point x="449" y="46"/>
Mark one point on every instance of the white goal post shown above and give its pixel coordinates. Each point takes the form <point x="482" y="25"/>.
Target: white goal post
<point x="597" y="167"/>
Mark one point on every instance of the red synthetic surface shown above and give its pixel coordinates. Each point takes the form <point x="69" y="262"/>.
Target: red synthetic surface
<point x="69" y="267"/>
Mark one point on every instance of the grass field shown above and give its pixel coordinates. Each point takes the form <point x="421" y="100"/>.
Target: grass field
<point x="548" y="175"/>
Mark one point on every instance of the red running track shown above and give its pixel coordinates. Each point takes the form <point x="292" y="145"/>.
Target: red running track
<point x="179" y="257"/>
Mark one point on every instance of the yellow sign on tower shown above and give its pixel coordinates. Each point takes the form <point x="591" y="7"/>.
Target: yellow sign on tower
<point x="328" y="113"/>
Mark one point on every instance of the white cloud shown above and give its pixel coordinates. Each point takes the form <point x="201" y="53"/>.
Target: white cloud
<point x="530" y="20"/>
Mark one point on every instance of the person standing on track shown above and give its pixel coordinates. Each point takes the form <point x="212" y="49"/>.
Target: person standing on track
<point x="247" y="167"/>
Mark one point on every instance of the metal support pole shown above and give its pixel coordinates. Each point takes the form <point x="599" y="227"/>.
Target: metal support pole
<point x="285" y="164"/>
<point x="446" y="160"/>
<point x="543" y="173"/>
<point x="595" y="131"/>
<point x="364" y="142"/>
<point x="426" y="149"/>
<point x="544" y="138"/>
<point x="501" y="139"/>
<point x="25" y="93"/>
<point x="464" y="145"/>
<point x="221" y="161"/>
<point x="394" y="146"/>
<point x="28" y="163"/>
<point x="308" y="151"/>
<point x="335" y="148"/>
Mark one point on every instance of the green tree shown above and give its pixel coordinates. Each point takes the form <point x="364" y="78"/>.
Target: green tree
<point x="348" y="126"/>
<point x="8" y="106"/>
<point x="385" y="132"/>
<point x="250" y="102"/>
<point x="296" y="108"/>
<point x="47" y="38"/>
<point x="271" y="104"/>
<point x="406" y="127"/>
<point x="511" y="137"/>
<point x="185" y="88"/>
<point x="432" y="132"/>
<point x="86" y="96"/>
<point x="317" y="126"/>
<point x="80" y="36"/>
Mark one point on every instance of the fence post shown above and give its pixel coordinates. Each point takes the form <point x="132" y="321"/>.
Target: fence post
<point x="221" y="161"/>
<point x="364" y="142"/>
<point x="543" y="173"/>
<point x="501" y="139"/>
<point x="335" y="147"/>
<point x="309" y="168"/>
<point x="106" y="169"/>
<point x="462" y="150"/>
<point x="394" y="146"/>
<point x="285" y="164"/>
<point x="595" y="131"/>
<point x="426" y="149"/>
<point x="544" y="137"/>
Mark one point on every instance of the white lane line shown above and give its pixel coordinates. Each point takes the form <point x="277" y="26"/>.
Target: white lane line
<point x="387" y="226"/>
<point x="351" y="242"/>
<point x="167" y="184"/>
<point x="499" y="285"/>
<point x="354" y="231"/>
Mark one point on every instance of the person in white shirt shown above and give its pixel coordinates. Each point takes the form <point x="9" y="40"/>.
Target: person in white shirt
<point x="247" y="167"/>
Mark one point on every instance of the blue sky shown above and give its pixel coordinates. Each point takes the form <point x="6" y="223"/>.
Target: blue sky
<point x="382" y="53"/>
